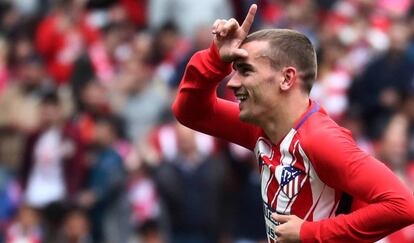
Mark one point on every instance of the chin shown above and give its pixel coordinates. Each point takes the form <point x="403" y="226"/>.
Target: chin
<point x="247" y="118"/>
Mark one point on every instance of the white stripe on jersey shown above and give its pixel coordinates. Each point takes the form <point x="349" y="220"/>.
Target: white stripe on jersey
<point x="307" y="167"/>
<point x="334" y="210"/>
<point x="323" y="196"/>
<point x="325" y="205"/>
<point x="286" y="158"/>
<point x="275" y="196"/>
<point x="294" y="149"/>
<point x="296" y="184"/>
<point x="284" y="203"/>
<point x="266" y="179"/>
<point x="264" y="148"/>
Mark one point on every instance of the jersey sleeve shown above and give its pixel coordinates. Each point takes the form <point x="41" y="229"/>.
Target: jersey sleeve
<point x="198" y="107"/>
<point x="342" y="165"/>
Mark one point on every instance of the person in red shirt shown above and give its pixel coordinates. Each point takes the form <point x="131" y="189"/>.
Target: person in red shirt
<point x="310" y="167"/>
<point x="62" y="36"/>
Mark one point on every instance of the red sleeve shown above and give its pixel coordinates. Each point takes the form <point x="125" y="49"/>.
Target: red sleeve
<point x="198" y="107"/>
<point x="342" y="165"/>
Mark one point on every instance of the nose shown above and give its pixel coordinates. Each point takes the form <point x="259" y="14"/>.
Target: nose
<point x="234" y="83"/>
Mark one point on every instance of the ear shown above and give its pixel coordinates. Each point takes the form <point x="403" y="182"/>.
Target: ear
<point x="289" y="78"/>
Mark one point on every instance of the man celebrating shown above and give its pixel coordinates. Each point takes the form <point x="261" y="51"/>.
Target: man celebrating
<point x="310" y="167"/>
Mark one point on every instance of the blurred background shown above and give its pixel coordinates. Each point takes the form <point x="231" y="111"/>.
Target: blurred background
<point x="89" y="149"/>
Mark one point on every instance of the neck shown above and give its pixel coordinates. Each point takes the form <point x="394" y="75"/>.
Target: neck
<point x="280" y="122"/>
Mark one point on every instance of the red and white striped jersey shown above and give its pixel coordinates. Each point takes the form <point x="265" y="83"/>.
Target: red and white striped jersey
<point x="290" y="184"/>
<point x="308" y="172"/>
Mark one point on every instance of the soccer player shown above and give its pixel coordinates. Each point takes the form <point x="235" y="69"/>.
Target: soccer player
<point x="310" y="166"/>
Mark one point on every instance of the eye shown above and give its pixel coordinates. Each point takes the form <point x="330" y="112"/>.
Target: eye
<point x="244" y="71"/>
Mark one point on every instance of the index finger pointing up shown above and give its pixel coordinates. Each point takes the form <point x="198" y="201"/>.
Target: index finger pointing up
<point x="248" y="21"/>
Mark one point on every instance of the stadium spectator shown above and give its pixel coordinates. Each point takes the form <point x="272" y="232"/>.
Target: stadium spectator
<point x="200" y="40"/>
<point x="142" y="192"/>
<point x="61" y="37"/>
<point x="27" y="227"/>
<point x="105" y="194"/>
<point x="393" y="146"/>
<point x="245" y="197"/>
<point x="191" y="182"/>
<point x="19" y="103"/>
<point x="53" y="154"/>
<point x="167" y="50"/>
<point x="99" y="61"/>
<point x="137" y="98"/>
<point x="93" y="102"/>
<point x="10" y="197"/>
<point x="75" y="227"/>
<point x="379" y="90"/>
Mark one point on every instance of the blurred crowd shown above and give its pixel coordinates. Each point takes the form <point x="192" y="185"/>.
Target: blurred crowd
<point x="89" y="149"/>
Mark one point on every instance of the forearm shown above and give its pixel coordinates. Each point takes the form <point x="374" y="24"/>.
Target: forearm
<point x="197" y="106"/>
<point x="367" y="224"/>
<point x="196" y="95"/>
<point x="390" y="204"/>
<point x="193" y="103"/>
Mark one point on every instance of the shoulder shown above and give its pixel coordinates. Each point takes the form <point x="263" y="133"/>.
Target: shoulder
<point x="110" y="157"/>
<point x="320" y="136"/>
<point x="320" y="126"/>
<point x="331" y="149"/>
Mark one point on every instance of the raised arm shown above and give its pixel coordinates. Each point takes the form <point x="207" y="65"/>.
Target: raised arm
<point x="197" y="105"/>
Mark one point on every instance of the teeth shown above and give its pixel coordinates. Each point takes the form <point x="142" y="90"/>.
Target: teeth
<point x="241" y="97"/>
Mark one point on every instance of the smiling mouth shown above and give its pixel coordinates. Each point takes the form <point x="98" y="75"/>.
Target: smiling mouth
<point x="241" y="97"/>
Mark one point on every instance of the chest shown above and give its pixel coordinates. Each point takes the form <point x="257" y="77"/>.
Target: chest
<point x="285" y="169"/>
<point x="47" y="150"/>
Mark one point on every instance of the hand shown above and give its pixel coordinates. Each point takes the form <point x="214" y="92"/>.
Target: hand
<point x="228" y="35"/>
<point x="289" y="229"/>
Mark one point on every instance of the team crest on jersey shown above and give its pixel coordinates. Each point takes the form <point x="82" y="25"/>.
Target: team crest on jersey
<point x="291" y="180"/>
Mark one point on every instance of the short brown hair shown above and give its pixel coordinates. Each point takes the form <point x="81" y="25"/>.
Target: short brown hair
<point x="289" y="48"/>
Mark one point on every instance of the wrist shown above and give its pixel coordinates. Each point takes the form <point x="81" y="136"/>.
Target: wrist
<point x="215" y="63"/>
<point x="309" y="232"/>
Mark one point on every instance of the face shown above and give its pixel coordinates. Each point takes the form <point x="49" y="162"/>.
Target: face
<point x="50" y="114"/>
<point x="255" y="83"/>
<point x="94" y="96"/>
<point x="28" y="216"/>
<point x="76" y="225"/>
<point x="104" y="132"/>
